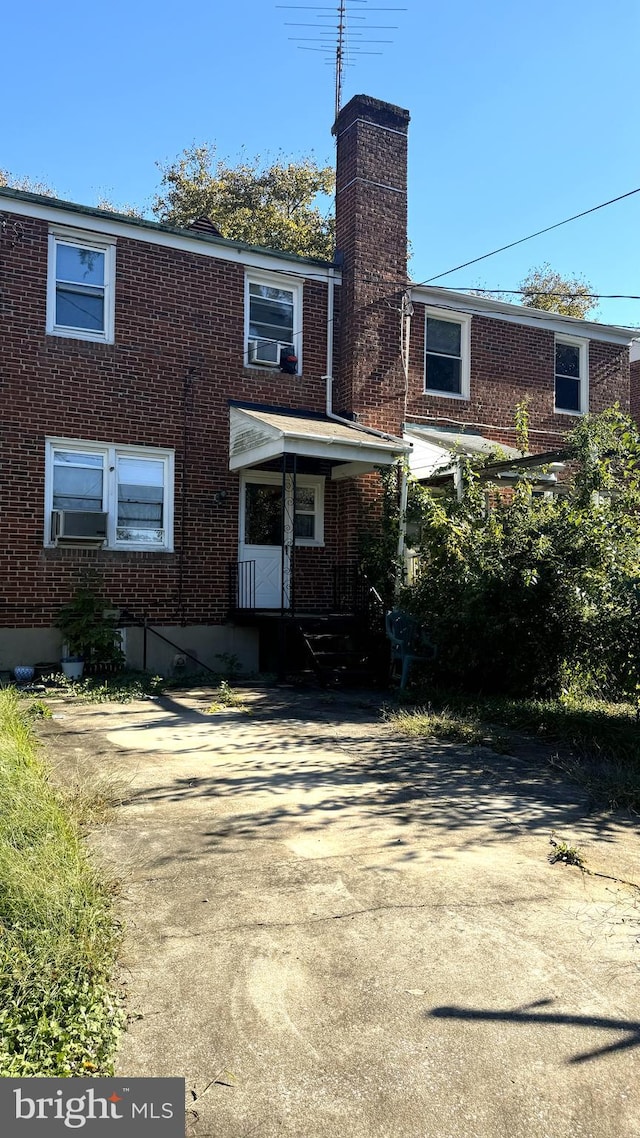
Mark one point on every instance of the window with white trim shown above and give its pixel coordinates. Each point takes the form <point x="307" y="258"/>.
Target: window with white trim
<point x="263" y="512"/>
<point x="447" y="351"/>
<point x="80" y="291"/>
<point x="571" y="376"/>
<point x="273" y="320"/>
<point x="132" y="486"/>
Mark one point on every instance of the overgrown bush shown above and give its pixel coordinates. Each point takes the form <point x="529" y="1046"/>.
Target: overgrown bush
<point x="529" y="593"/>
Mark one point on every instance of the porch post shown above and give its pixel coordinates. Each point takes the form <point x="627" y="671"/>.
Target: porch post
<point x="401" y="571"/>
<point x="292" y="553"/>
<point x="283" y="551"/>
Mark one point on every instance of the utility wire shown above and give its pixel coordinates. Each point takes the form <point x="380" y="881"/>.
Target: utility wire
<point x="475" y="290"/>
<point x="539" y="232"/>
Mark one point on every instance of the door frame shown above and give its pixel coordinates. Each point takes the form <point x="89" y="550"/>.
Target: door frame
<point x="283" y="552"/>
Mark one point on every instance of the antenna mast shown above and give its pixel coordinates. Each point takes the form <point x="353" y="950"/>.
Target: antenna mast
<point x="342" y="17"/>
<point x="340" y="42"/>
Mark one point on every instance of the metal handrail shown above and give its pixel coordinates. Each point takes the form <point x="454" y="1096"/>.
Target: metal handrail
<point x="242" y="585"/>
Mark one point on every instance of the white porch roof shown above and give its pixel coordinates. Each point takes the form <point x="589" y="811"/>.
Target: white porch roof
<point x="258" y="436"/>
<point x="434" y="448"/>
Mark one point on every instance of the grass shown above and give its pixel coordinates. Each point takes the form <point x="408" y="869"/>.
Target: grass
<point x="58" y="939"/>
<point x="129" y="686"/>
<point x="123" y="687"/>
<point x="445" y="724"/>
<point x="599" y="740"/>
<point x="225" y="697"/>
<point x="562" y="851"/>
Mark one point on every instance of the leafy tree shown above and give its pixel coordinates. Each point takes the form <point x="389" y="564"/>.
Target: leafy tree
<point x="23" y="183"/>
<point x="127" y="209"/>
<point x="545" y="288"/>
<point x="273" y="206"/>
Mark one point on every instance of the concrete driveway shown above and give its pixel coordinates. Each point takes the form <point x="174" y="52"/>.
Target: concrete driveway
<point x="333" y="931"/>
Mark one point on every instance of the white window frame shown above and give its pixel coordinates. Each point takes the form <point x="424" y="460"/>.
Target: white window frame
<point x="110" y="452"/>
<point x="464" y="320"/>
<point x="315" y="482"/>
<point x="286" y="283"/>
<point x="583" y="347"/>
<point x="106" y="246"/>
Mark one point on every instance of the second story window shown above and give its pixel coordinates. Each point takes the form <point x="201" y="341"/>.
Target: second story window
<point x="571" y="396"/>
<point x="80" y="288"/>
<point x="446" y="354"/>
<point x="273" y="321"/>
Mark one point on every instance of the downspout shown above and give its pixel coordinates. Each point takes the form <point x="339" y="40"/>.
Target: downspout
<point x="405" y="338"/>
<point x="401" y="567"/>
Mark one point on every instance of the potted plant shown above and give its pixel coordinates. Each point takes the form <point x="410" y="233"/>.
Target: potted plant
<point x="89" y="633"/>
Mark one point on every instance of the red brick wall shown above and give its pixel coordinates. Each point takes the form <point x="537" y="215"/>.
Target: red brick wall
<point x="509" y="361"/>
<point x="178" y="358"/>
<point x="176" y="361"/>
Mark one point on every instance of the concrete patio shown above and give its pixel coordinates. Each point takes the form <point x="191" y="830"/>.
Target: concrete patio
<point x="334" y="931"/>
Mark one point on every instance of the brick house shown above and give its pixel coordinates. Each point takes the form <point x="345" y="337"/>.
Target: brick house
<point x="198" y="420"/>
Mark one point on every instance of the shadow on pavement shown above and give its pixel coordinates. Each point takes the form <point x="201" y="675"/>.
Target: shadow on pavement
<point x="527" y="1015"/>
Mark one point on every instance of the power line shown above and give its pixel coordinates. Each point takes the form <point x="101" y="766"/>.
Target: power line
<point x="475" y="290"/>
<point x="538" y="233"/>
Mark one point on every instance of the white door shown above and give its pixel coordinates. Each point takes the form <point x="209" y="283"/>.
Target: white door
<point x="261" y="542"/>
<point x="261" y="533"/>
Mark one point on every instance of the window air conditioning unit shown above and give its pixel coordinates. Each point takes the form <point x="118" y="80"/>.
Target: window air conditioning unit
<point x="265" y="352"/>
<point x="78" y="526"/>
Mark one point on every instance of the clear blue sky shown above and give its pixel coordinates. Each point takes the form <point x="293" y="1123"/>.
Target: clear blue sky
<point x="522" y="114"/>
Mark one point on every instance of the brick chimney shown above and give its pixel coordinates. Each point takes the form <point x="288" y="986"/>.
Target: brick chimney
<point x="371" y="241"/>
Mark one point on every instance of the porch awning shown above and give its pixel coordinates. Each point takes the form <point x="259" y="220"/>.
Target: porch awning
<point x="258" y="436"/>
<point x="434" y="452"/>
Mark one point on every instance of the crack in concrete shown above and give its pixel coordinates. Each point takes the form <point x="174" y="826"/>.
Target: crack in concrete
<point x="357" y="913"/>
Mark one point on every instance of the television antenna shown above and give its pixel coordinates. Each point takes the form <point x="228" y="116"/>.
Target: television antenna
<point x="342" y="39"/>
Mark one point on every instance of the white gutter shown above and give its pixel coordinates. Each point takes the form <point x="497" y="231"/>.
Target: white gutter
<point x="449" y="299"/>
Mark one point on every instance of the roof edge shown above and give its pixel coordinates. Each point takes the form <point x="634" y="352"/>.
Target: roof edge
<point x="45" y="200"/>
<point x="520" y="313"/>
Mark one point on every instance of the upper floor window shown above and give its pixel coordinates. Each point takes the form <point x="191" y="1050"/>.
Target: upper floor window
<point x="123" y="494"/>
<point x="273" y="319"/>
<point x="571" y="378"/>
<point x="80" y="287"/>
<point x="447" y="340"/>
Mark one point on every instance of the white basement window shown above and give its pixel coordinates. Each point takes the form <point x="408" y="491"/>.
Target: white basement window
<point x="121" y="494"/>
<point x="80" y="289"/>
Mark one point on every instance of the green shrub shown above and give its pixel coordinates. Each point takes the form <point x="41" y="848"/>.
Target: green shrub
<point x="518" y="596"/>
<point x="88" y="625"/>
